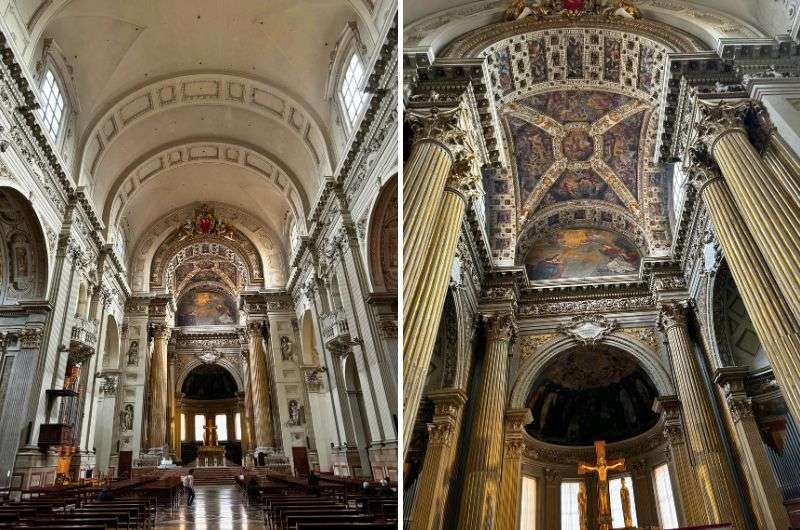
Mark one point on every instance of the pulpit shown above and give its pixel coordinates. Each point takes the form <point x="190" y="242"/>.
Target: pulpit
<point x="210" y="453"/>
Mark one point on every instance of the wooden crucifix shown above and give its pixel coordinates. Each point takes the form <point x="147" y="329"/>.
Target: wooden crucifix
<point x="602" y="467"/>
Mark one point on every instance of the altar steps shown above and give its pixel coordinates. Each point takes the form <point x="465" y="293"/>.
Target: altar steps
<point x="216" y="476"/>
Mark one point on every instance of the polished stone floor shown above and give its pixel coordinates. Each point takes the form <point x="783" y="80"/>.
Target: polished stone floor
<point x="215" y="508"/>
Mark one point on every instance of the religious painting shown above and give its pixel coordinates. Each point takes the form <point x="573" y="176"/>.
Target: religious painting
<point x="537" y="58"/>
<point x="206" y="308"/>
<point x="533" y="153"/>
<point x="570" y="106"/>
<point x="612" y="59"/>
<point x="505" y="77"/>
<point x="582" y="184"/>
<point x="590" y="394"/>
<point x="581" y="253"/>
<point x="575" y="56"/>
<point x="647" y="68"/>
<point x="577" y="145"/>
<point x="621" y="150"/>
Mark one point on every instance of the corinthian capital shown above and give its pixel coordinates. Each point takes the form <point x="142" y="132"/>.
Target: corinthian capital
<point x="718" y="119"/>
<point x="30" y="338"/>
<point x="161" y="331"/>
<point x="500" y="327"/>
<point x="465" y="175"/>
<point x="254" y="329"/>
<point x="672" y="314"/>
<point x="438" y="125"/>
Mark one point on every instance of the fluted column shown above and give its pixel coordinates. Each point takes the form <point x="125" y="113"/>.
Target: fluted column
<point x="704" y="444"/>
<point x="770" y="211"/>
<point x="511" y="481"/>
<point x="423" y="305"/>
<point x="776" y="327"/>
<point x="688" y="491"/>
<point x="480" y="493"/>
<point x="259" y="387"/>
<point x="768" y="505"/>
<point x="434" y="479"/>
<point x="438" y="138"/>
<point x="644" y="493"/>
<point x="157" y="383"/>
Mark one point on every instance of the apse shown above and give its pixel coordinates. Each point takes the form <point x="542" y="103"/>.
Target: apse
<point x="209" y="381"/>
<point x="591" y="393"/>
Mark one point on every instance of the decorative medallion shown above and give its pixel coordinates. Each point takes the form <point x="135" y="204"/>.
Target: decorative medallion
<point x="209" y="355"/>
<point x="588" y="330"/>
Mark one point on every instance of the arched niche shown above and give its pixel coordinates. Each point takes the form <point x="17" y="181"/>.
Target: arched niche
<point x="23" y="251"/>
<point x="310" y="351"/>
<point x="535" y="363"/>
<point x="209" y="381"/>
<point x="590" y="393"/>
<point x="383" y="242"/>
<point x="82" y="309"/>
<point x="111" y="344"/>
<point x="197" y="366"/>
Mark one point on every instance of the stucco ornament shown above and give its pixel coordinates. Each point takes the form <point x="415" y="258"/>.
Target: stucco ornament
<point x="588" y="330"/>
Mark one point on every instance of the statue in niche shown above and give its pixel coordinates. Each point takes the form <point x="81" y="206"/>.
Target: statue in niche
<point x="296" y="413"/>
<point x="133" y="353"/>
<point x="126" y="417"/>
<point x="287" y="348"/>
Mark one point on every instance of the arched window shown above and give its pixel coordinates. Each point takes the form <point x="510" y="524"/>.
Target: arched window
<point x="52" y="111"/>
<point x="353" y="98"/>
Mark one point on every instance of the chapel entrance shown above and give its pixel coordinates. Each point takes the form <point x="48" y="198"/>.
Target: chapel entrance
<point x="209" y="398"/>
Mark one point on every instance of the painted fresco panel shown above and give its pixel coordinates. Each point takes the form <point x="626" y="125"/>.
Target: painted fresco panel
<point x="569" y="106"/>
<point x="538" y="60"/>
<point x="206" y="308"/>
<point x="579" y="185"/>
<point x="505" y="76"/>
<point x="621" y="150"/>
<point x="581" y="253"/>
<point x="647" y="68"/>
<point x="575" y="56"/>
<point x="612" y="59"/>
<point x="533" y="153"/>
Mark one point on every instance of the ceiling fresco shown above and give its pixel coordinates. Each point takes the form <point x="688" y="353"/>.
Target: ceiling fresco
<point x="588" y="394"/>
<point x="576" y="145"/>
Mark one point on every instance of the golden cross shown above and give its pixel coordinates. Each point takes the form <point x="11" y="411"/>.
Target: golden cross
<point x="602" y="467"/>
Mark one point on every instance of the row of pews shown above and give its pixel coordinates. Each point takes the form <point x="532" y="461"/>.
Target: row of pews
<point x="75" y="507"/>
<point x="288" y="503"/>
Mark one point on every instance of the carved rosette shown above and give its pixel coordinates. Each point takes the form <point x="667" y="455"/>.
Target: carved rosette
<point x="30" y="338"/>
<point x="500" y="327"/>
<point x="741" y="408"/>
<point x="672" y="314"/>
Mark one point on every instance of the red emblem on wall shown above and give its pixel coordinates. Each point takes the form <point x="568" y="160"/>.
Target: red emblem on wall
<point x="572" y="5"/>
<point x="205" y="221"/>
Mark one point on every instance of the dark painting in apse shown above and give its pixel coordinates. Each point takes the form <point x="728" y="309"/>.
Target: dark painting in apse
<point x="206" y="308"/>
<point x="580" y="253"/>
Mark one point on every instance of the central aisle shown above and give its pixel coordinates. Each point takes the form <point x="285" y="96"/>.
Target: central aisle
<point x="215" y="507"/>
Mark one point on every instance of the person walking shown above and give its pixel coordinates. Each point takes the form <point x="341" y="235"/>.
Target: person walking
<point x="188" y="484"/>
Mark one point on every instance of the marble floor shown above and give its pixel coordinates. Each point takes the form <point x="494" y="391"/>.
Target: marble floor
<point x="215" y="508"/>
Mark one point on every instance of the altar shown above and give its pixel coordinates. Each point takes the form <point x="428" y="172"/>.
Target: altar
<point x="210" y="454"/>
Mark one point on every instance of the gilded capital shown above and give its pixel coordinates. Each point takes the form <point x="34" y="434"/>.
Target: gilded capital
<point x="30" y="338"/>
<point x="161" y="331"/>
<point x="437" y="125"/>
<point x="701" y="170"/>
<point x="254" y="329"/>
<point x="465" y="176"/>
<point x="500" y="327"/>
<point x="672" y="314"/>
<point x="441" y="432"/>
<point x="718" y="119"/>
<point x="740" y="407"/>
<point x="516" y="420"/>
<point x="514" y="447"/>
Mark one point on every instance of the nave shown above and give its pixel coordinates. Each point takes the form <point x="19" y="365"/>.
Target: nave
<point x="226" y="498"/>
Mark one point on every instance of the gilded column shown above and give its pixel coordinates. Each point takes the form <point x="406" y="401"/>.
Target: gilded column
<point x="772" y="318"/>
<point x="259" y="387"/>
<point x="552" y="498"/>
<point x="511" y="481"/>
<point x="704" y="444"/>
<point x="434" y="479"/>
<point x="770" y="211"/>
<point x="766" y="497"/>
<point x="174" y="420"/>
<point x="644" y="497"/>
<point x="438" y="137"/>
<point x="159" y="398"/>
<point x="423" y="305"/>
<point x="481" y="487"/>
<point x="687" y="489"/>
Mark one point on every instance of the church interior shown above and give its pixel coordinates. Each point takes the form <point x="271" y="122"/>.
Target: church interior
<point x="198" y="263"/>
<point x="601" y="221"/>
